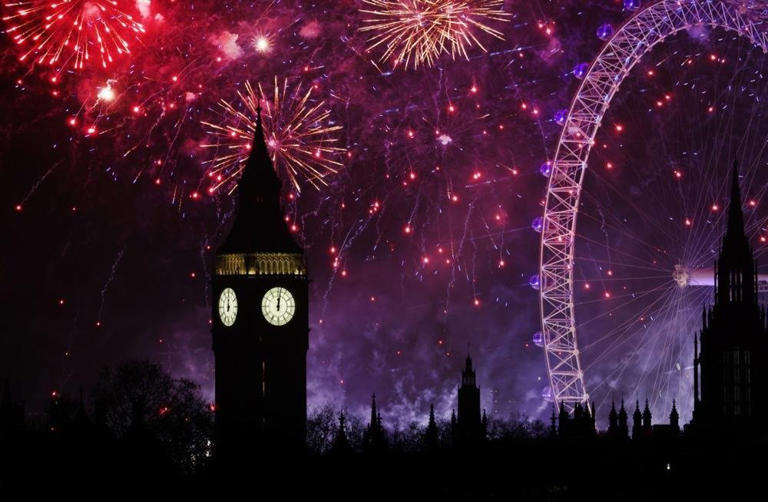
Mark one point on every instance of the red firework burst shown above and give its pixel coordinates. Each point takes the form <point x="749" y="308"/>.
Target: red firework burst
<point x="74" y="33"/>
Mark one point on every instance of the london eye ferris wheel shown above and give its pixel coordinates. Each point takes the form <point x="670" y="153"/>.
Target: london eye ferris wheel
<point x="674" y="97"/>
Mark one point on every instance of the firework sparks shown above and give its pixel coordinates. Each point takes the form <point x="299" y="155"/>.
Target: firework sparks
<point x="418" y="32"/>
<point x="106" y="93"/>
<point x="261" y="43"/>
<point x="299" y="136"/>
<point x="71" y="32"/>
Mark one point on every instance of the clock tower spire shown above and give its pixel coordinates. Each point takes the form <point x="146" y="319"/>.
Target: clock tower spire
<point x="260" y="322"/>
<point x="259" y="223"/>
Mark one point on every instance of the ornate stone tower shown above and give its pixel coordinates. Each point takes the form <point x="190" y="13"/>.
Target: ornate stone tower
<point x="260" y="321"/>
<point x="731" y="392"/>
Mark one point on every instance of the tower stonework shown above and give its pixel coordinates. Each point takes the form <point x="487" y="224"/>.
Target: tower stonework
<point x="731" y="351"/>
<point x="260" y="322"/>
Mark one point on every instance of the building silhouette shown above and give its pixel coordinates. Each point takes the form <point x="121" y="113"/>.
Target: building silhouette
<point x="731" y="351"/>
<point x="260" y="321"/>
<point x="340" y="446"/>
<point x="431" y="434"/>
<point x="374" y="437"/>
<point x="637" y="422"/>
<point x="618" y="427"/>
<point x="641" y="422"/>
<point x="469" y="427"/>
<point x="670" y="430"/>
<point x="579" y="425"/>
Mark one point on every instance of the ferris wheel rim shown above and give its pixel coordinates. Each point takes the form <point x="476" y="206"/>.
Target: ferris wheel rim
<point x="607" y="71"/>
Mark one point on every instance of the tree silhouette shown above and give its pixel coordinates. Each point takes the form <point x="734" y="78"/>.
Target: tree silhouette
<point x="140" y="403"/>
<point x="321" y="428"/>
<point x="322" y="424"/>
<point x="516" y="427"/>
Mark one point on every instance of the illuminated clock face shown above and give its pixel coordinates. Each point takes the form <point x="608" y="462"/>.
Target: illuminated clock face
<point x="278" y="306"/>
<point x="228" y="307"/>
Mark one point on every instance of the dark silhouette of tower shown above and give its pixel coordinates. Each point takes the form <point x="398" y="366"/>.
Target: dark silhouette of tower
<point x="431" y="435"/>
<point x="647" y="427"/>
<point x="731" y="367"/>
<point x="579" y="426"/>
<point x="674" y="418"/>
<point x="454" y="428"/>
<point x="617" y="422"/>
<point x="613" y="421"/>
<point x="341" y="446"/>
<point x="469" y="425"/>
<point x="260" y="321"/>
<point x="374" y="437"/>
<point x="623" y="429"/>
<point x="637" y="422"/>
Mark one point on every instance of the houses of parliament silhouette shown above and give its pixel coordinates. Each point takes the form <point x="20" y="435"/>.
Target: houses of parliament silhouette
<point x="261" y="337"/>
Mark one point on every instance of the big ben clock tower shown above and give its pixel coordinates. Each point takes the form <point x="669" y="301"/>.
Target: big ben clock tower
<point x="260" y="321"/>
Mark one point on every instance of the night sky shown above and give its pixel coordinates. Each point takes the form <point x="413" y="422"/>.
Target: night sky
<point x="412" y="191"/>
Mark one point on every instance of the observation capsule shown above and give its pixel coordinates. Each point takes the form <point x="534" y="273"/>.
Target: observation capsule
<point x="580" y="70"/>
<point x="561" y="116"/>
<point x="537" y="224"/>
<point x="604" y="32"/>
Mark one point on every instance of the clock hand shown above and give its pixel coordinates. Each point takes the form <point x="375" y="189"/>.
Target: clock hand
<point x="278" y="303"/>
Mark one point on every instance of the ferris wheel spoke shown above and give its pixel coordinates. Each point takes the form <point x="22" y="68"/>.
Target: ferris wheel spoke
<point x="633" y="297"/>
<point x="668" y="338"/>
<point x="619" y="225"/>
<point x="672" y="310"/>
<point x="641" y="343"/>
<point x="630" y="262"/>
<point x="641" y="213"/>
<point x="624" y="232"/>
<point x="602" y="280"/>
<point x="655" y="269"/>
